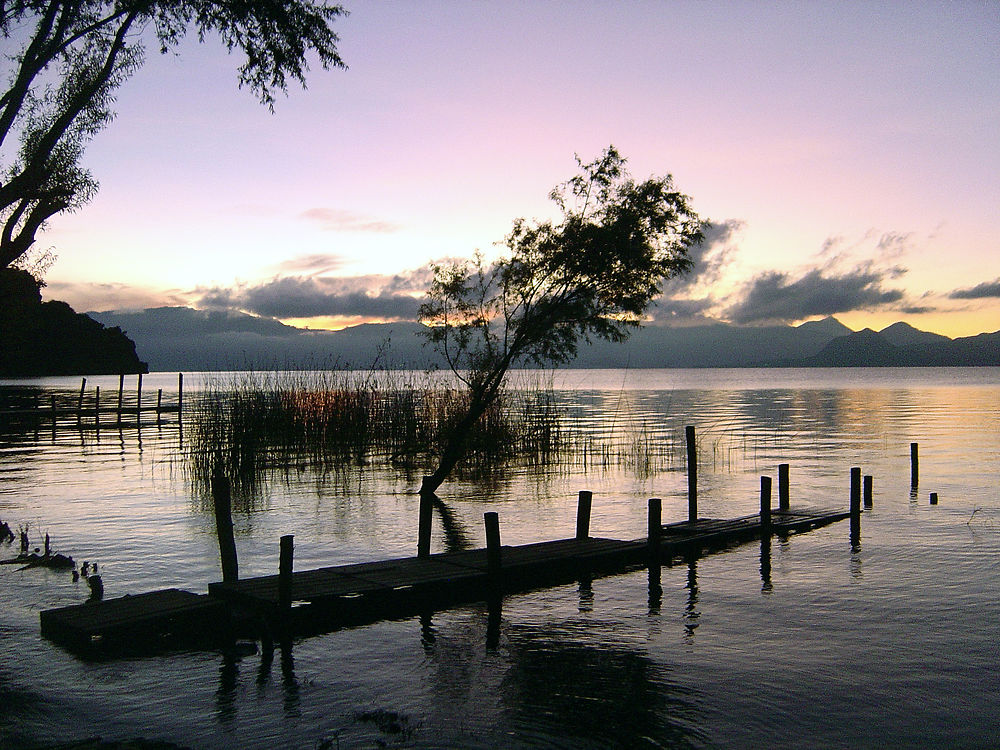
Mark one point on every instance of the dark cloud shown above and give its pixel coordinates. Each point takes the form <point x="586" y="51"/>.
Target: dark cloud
<point x="773" y="297"/>
<point x="670" y="310"/>
<point x="336" y="220"/>
<point x="985" y="290"/>
<point x="217" y="298"/>
<point x="710" y="259"/>
<point x="303" y="297"/>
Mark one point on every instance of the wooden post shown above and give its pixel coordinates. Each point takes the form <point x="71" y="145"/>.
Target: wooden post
<point x="53" y="402"/>
<point x="855" y="504"/>
<point x="159" y="404"/>
<point x="285" y="575"/>
<point x="121" y="392"/>
<point x="180" y="393"/>
<point x="224" y="527"/>
<point x="783" y="491"/>
<point x="765" y="505"/>
<point x="914" y="465"/>
<point x="79" y="401"/>
<point x="869" y="500"/>
<point x="934" y="498"/>
<point x="424" y="518"/>
<point x="97" y="406"/>
<point x="583" y="505"/>
<point x="138" y="400"/>
<point x="692" y="467"/>
<point x="654" y="530"/>
<point x="493" y="557"/>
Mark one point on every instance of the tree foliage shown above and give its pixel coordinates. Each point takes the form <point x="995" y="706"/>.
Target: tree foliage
<point x="73" y="55"/>
<point x="591" y="274"/>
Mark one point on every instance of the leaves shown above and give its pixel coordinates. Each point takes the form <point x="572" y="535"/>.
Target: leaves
<point x="593" y="274"/>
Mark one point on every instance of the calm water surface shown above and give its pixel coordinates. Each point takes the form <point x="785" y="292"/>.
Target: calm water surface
<point x="807" y="644"/>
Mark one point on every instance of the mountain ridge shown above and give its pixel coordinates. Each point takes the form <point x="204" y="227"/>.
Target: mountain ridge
<point x="184" y="339"/>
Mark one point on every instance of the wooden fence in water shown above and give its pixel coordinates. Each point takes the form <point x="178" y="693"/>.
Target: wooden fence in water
<point x="91" y="410"/>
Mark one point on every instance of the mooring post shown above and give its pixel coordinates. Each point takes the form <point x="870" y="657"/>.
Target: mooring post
<point x="53" y="413"/>
<point x="692" y="467"/>
<point x="583" y="504"/>
<point x="493" y="559"/>
<point x="855" y="504"/>
<point x="286" y="552"/>
<point x="783" y="492"/>
<point x="138" y="400"/>
<point x="934" y="498"/>
<point x="765" y="505"/>
<point x="121" y="395"/>
<point x="180" y="394"/>
<point x="424" y="518"/>
<point x="224" y="526"/>
<point x="159" y="404"/>
<point x="914" y="465"/>
<point x="654" y="530"/>
<point x="869" y="500"/>
<point x="79" y="401"/>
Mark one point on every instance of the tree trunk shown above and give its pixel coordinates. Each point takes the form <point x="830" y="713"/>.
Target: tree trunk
<point x="454" y="449"/>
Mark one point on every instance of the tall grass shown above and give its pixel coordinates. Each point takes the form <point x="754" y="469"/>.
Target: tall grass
<point x="253" y="424"/>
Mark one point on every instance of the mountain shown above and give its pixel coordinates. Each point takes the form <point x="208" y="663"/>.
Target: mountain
<point x="900" y="345"/>
<point x="182" y="339"/>
<point x="903" y="334"/>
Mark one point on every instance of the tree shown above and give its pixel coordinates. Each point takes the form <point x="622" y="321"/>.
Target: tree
<point x="591" y="275"/>
<point x="74" y="54"/>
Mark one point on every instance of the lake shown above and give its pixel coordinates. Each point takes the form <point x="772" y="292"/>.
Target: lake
<point x="893" y="642"/>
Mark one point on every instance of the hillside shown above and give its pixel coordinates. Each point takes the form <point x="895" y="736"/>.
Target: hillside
<point x="175" y="338"/>
<point x="48" y="338"/>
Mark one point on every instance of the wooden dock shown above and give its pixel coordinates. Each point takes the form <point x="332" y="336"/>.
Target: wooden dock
<point x="140" y="623"/>
<point x="296" y="603"/>
<point x="319" y="600"/>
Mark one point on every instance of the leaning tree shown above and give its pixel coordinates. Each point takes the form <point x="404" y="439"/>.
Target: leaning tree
<point x="72" y="55"/>
<point x="591" y="274"/>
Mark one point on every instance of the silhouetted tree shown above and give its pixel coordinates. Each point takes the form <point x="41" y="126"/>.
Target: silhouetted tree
<point x="74" y="55"/>
<point x="592" y="274"/>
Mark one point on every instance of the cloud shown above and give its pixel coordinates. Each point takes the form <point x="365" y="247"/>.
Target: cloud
<point x="90" y="296"/>
<point x="677" y="311"/>
<point x="337" y="220"/>
<point x="710" y="260"/>
<point x="774" y="297"/>
<point x="315" y="263"/>
<point x="305" y="297"/>
<point x="986" y="290"/>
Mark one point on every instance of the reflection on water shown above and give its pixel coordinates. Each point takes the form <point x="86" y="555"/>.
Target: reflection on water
<point x="691" y="655"/>
<point x="584" y="696"/>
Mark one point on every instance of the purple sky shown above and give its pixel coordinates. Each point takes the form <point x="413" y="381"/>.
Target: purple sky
<point x="848" y="153"/>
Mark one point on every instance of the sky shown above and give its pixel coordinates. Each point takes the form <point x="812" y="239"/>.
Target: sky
<point x="846" y="153"/>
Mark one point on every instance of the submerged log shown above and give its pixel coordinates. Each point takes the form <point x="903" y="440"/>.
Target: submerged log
<point x="34" y="560"/>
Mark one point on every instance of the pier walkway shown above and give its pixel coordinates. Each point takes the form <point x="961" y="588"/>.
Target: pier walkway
<point x="319" y="600"/>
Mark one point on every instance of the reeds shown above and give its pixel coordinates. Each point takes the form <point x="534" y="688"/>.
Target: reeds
<point x="252" y="424"/>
